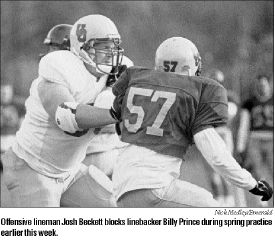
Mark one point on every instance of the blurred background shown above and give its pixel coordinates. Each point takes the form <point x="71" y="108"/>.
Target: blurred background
<point x="233" y="36"/>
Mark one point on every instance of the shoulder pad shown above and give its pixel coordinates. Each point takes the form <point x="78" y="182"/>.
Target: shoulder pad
<point x="126" y="61"/>
<point x="53" y="65"/>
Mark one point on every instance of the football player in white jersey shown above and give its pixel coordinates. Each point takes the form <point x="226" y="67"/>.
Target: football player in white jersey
<point x="163" y="111"/>
<point x="58" y="38"/>
<point x="44" y="164"/>
<point x="105" y="145"/>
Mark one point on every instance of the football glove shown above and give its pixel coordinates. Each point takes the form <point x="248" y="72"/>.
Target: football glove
<point x="115" y="110"/>
<point x="113" y="78"/>
<point x="262" y="189"/>
<point x="114" y="114"/>
<point x="117" y="128"/>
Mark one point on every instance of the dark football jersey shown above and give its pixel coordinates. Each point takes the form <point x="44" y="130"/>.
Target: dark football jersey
<point x="162" y="111"/>
<point x="261" y="113"/>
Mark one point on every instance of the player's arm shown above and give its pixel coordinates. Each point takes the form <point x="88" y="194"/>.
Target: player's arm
<point x="93" y="117"/>
<point x="221" y="160"/>
<point x="210" y="114"/>
<point x="68" y="114"/>
<point x="214" y="150"/>
<point x="105" y="100"/>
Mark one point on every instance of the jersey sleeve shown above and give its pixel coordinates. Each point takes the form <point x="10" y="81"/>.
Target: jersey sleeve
<point x="212" y="109"/>
<point x="51" y="69"/>
<point x="220" y="159"/>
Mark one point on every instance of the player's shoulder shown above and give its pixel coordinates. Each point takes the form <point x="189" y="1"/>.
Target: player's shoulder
<point x="59" y="57"/>
<point x="201" y="88"/>
<point x="127" y="61"/>
<point x="207" y="82"/>
<point x="137" y="70"/>
<point x="212" y="91"/>
<point x="61" y="67"/>
<point x="57" y="64"/>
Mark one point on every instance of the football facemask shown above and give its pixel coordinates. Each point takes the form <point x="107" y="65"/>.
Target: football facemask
<point x="105" y="54"/>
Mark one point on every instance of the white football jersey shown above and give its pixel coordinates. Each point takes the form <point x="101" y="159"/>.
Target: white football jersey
<point x="40" y="142"/>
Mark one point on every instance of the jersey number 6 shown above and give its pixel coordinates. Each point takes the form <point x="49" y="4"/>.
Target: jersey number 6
<point x="155" y="128"/>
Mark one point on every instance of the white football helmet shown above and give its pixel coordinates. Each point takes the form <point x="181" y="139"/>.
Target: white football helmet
<point x="95" y="29"/>
<point x="179" y="55"/>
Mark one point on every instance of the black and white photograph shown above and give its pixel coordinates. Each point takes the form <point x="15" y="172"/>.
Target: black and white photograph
<point x="130" y="107"/>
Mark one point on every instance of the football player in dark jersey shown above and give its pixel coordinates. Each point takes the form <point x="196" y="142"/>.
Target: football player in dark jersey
<point x="256" y="131"/>
<point x="58" y="38"/>
<point x="163" y="111"/>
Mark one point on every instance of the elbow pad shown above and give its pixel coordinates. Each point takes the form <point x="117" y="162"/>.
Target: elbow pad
<point x="65" y="119"/>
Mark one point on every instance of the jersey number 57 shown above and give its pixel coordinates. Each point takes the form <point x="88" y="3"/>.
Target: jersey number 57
<point x="155" y="128"/>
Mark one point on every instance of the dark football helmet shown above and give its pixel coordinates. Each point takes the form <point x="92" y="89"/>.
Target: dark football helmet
<point x="59" y="36"/>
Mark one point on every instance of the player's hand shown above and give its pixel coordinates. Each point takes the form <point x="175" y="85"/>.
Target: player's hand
<point x="115" y="110"/>
<point x="262" y="189"/>
<point x="113" y="78"/>
<point x="116" y="115"/>
<point x="118" y="128"/>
